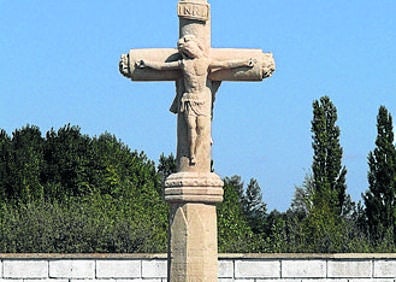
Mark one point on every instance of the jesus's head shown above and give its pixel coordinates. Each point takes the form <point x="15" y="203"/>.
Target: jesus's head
<point x="189" y="47"/>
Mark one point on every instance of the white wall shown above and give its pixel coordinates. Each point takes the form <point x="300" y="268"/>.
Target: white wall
<point x="232" y="267"/>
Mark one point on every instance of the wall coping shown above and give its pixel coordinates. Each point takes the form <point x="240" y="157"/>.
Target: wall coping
<point x="252" y="256"/>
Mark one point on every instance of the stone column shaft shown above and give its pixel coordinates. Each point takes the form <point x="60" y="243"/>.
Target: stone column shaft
<point x="192" y="252"/>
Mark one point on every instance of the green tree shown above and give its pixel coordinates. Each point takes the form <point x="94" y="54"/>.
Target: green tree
<point x="236" y="183"/>
<point x="100" y="196"/>
<point x="301" y="206"/>
<point x="234" y="231"/>
<point x="5" y="158"/>
<point x="254" y="208"/>
<point x="381" y="196"/>
<point x="302" y="201"/>
<point x="26" y="163"/>
<point x="322" y="204"/>
<point x="277" y="239"/>
<point x="118" y="170"/>
<point x="89" y="224"/>
<point x="328" y="172"/>
<point x="167" y="165"/>
<point x="68" y="157"/>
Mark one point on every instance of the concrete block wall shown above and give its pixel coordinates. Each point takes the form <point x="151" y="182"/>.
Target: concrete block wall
<point x="232" y="267"/>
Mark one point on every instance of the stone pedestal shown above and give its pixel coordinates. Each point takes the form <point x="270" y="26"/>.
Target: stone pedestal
<point x="192" y="250"/>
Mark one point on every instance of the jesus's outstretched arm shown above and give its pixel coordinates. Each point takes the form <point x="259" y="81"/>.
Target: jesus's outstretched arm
<point x="158" y="65"/>
<point x="232" y="64"/>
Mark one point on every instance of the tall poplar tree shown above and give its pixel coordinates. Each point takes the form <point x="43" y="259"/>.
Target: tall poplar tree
<point x="328" y="171"/>
<point x="380" y="198"/>
<point x="325" y="198"/>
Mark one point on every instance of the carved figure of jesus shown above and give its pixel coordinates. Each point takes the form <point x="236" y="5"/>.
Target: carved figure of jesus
<point x="195" y="99"/>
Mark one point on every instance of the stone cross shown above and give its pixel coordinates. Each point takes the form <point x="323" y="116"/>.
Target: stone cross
<point x="193" y="191"/>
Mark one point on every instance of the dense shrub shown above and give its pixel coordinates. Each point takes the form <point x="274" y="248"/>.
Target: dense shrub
<point x="82" y="225"/>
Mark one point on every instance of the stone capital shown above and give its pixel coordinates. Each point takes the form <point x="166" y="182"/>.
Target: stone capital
<point x="194" y="187"/>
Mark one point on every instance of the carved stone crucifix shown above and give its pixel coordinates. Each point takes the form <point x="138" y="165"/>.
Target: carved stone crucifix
<point x="198" y="71"/>
<point x="194" y="190"/>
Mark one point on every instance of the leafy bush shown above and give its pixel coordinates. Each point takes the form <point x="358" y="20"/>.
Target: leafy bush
<point x="82" y="225"/>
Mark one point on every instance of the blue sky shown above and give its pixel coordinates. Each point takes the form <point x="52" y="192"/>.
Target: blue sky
<point x="59" y="65"/>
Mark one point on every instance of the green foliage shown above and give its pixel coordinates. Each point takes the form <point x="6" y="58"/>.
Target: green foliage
<point x="381" y="196"/>
<point x="303" y="201"/>
<point x="5" y="159"/>
<point x="68" y="155"/>
<point x="24" y="165"/>
<point x="320" y="203"/>
<point x="328" y="172"/>
<point x="68" y="192"/>
<point x="277" y="240"/>
<point x="81" y="225"/>
<point x="321" y="226"/>
<point x="311" y="225"/>
<point x="167" y="166"/>
<point x="71" y="193"/>
<point x="234" y="231"/>
<point x="254" y="209"/>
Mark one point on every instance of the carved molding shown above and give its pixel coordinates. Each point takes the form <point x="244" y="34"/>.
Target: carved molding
<point x="194" y="187"/>
<point x="194" y="179"/>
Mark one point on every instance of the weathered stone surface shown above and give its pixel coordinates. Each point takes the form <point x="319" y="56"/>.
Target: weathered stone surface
<point x="385" y="268"/>
<point x="96" y="280"/>
<point x="72" y="269"/>
<point x="257" y="269"/>
<point x="25" y="269"/>
<point x="370" y="280"/>
<point x="319" y="280"/>
<point x="226" y="269"/>
<point x="48" y="280"/>
<point x="291" y="280"/>
<point x="232" y="267"/>
<point x="262" y="68"/>
<point x="351" y="269"/>
<point x="118" y="269"/>
<point x="154" y="268"/>
<point x="194" y="187"/>
<point x="193" y="225"/>
<point x="193" y="246"/>
<point x="301" y="268"/>
<point x="193" y="10"/>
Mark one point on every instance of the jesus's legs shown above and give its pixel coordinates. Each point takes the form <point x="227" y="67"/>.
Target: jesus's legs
<point x="191" y="121"/>
<point x="203" y="143"/>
